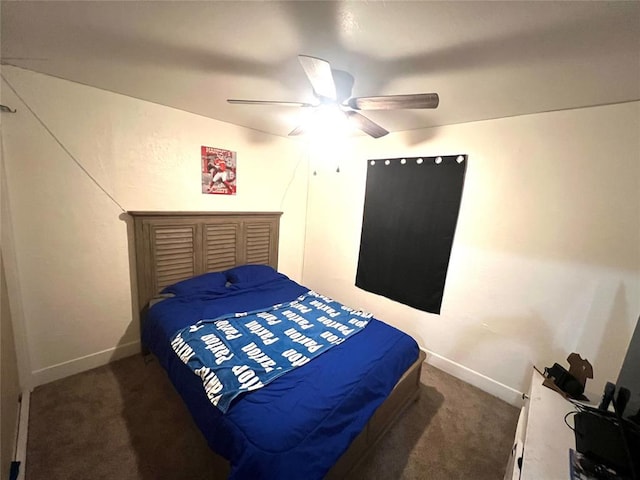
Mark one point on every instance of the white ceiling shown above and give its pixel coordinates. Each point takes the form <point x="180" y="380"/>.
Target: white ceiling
<point x="485" y="59"/>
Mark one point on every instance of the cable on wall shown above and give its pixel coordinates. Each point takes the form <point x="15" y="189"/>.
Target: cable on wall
<point x="303" y="155"/>
<point x="66" y="150"/>
<point x="293" y="175"/>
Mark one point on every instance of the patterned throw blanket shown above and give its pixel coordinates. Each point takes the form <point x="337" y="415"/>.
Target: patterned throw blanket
<point x="245" y="351"/>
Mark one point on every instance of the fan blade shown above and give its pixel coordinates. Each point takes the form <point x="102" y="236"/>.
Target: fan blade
<point x="367" y="126"/>
<point x="319" y="73"/>
<point x="344" y="84"/>
<point x="267" y="102"/>
<point x="392" y="102"/>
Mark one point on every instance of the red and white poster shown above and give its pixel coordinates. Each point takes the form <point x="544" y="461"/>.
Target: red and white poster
<point x="218" y="171"/>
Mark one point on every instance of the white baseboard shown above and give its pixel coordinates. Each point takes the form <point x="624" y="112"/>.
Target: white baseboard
<point x="77" y="365"/>
<point x="484" y="383"/>
<point x="71" y="367"/>
<point x="23" y="432"/>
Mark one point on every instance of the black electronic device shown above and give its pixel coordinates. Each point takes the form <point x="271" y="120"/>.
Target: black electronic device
<point x="609" y="390"/>
<point x="564" y="380"/>
<point x="607" y="437"/>
<point x="621" y="400"/>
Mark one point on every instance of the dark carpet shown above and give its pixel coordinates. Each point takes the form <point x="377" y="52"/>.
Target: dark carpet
<point x="124" y="421"/>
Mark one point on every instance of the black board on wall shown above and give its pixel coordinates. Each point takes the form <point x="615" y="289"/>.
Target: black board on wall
<point x="410" y="213"/>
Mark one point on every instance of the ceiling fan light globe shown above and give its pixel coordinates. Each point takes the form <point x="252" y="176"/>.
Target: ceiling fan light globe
<point x="329" y="121"/>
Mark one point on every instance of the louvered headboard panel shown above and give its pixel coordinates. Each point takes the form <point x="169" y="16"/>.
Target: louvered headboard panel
<point x="174" y="253"/>
<point x="223" y="243"/>
<point x="258" y="239"/>
<point x="172" y="246"/>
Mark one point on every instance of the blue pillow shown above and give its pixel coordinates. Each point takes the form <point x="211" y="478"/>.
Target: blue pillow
<point x="251" y="274"/>
<point x="208" y="283"/>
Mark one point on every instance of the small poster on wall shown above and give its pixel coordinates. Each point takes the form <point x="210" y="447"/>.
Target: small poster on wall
<point x="218" y="171"/>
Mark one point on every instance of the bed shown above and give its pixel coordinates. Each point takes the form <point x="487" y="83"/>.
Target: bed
<point x="317" y="420"/>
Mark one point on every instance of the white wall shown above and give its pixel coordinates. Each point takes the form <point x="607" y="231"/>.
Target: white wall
<point x="546" y="258"/>
<point x="71" y="240"/>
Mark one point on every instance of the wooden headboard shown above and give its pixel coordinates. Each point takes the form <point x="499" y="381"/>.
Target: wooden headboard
<point x="172" y="246"/>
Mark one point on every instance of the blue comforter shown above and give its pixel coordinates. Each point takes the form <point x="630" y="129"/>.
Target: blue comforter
<point x="299" y="425"/>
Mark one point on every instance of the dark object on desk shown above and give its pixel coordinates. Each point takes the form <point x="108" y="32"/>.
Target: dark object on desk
<point x="569" y="383"/>
<point x="621" y="400"/>
<point x="598" y="436"/>
<point x="607" y="438"/>
<point x="565" y="381"/>
<point x="607" y="397"/>
<point x="582" y="467"/>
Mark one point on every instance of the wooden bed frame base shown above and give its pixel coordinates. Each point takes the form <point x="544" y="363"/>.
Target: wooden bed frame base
<point x="406" y="391"/>
<point x="172" y="246"/>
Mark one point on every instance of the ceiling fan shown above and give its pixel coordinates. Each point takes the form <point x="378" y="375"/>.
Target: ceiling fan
<point x="332" y="88"/>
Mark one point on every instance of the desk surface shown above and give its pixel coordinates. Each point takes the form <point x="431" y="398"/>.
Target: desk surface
<point x="547" y="439"/>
